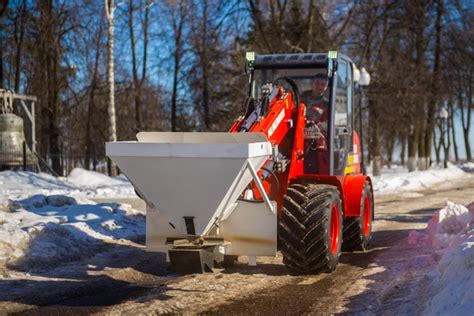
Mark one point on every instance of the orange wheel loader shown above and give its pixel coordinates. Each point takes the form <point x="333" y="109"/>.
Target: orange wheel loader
<point x="287" y="176"/>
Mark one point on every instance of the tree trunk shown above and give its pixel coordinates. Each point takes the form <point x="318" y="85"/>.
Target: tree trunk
<point x="178" y="23"/>
<point x="448" y="141"/>
<point x="1" y="58"/>
<point x="412" y="148"/>
<point x="403" y="144"/>
<point x="376" y="145"/>
<point x="138" y="82"/>
<point x="205" y="74"/>
<point x="145" y="55"/>
<point x="177" y="59"/>
<point x="418" y="139"/>
<point x="422" y="159"/>
<point x="91" y="105"/>
<point x="430" y="124"/>
<point x="3" y="9"/>
<point x="390" y="145"/>
<point x="50" y="43"/>
<point x="437" y="147"/>
<point x="110" y="8"/>
<point x="19" y="47"/>
<point x="466" y="118"/>
<point x="453" y="131"/>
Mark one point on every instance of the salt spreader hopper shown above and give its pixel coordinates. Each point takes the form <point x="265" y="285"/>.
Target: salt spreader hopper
<point x="290" y="169"/>
<point x="192" y="183"/>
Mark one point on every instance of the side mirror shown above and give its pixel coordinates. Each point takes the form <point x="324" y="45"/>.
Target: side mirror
<point x="364" y="77"/>
<point x="356" y="74"/>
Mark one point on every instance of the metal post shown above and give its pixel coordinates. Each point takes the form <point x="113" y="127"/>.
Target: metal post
<point x="109" y="167"/>
<point x="33" y="128"/>
<point x="24" y="155"/>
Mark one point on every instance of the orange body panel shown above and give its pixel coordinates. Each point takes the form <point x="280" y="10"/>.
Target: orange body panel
<point x="284" y="126"/>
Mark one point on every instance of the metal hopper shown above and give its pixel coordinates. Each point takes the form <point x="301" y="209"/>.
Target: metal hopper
<point x="192" y="182"/>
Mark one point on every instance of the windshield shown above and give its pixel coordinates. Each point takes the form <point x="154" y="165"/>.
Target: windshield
<point x="304" y="78"/>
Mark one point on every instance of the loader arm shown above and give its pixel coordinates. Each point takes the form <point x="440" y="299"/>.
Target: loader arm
<point x="276" y="123"/>
<point x="283" y="124"/>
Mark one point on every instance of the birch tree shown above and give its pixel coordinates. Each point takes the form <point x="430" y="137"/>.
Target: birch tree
<point x="109" y="10"/>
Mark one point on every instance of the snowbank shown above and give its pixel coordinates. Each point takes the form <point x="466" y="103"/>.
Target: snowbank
<point x="47" y="230"/>
<point x="45" y="220"/>
<point x="398" y="179"/>
<point x="80" y="183"/>
<point x="467" y="166"/>
<point x="451" y="234"/>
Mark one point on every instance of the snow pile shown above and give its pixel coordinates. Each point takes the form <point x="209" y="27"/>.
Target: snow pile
<point x="400" y="180"/>
<point x="467" y="166"/>
<point x="447" y="224"/>
<point x="80" y="183"/>
<point x="91" y="179"/>
<point x="45" y="231"/>
<point x="98" y="184"/>
<point x="451" y="233"/>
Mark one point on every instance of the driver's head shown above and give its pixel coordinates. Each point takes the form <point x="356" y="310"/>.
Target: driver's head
<point x="320" y="84"/>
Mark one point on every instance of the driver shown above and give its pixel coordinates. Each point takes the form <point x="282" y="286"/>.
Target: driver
<point x="317" y="115"/>
<point x="317" y="105"/>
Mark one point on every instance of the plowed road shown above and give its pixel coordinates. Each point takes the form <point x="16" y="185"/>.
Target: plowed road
<point x="390" y="278"/>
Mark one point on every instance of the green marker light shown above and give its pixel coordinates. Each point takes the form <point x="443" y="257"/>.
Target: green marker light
<point x="250" y="56"/>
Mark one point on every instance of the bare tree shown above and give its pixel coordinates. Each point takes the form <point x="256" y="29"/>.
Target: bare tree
<point x="434" y="93"/>
<point x="138" y="80"/>
<point x="178" y="14"/>
<point x="453" y="131"/>
<point x="110" y="10"/>
<point x="94" y="87"/>
<point x="19" y="34"/>
<point x="3" y="9"/>
<point x="466" y="106"/>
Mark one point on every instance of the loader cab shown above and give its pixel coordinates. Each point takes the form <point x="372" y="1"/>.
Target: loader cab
<point x="328" y="141"/>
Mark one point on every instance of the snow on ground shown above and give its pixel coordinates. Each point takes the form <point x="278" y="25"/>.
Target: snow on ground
<point x="450" y="233"/>
<point x="397" y="179"/>
<point x="467" y="166"/>
<point x="46" y="220"/>
<point x="80" y="183"/>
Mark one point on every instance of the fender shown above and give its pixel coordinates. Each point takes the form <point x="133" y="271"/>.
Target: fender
<point x="352" y="187"/>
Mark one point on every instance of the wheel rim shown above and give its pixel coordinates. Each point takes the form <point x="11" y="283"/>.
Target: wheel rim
<point x="367" y="216"/>
<point x="334" y="232"/>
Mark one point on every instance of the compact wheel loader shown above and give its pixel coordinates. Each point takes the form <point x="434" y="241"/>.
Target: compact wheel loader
<point x="287" y="176"/>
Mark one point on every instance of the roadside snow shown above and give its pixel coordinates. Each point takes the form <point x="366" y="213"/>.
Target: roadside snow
<point x="45" y="221"/>
<point x="450" y="233"/>
<point x="80" y="183"/>
<point x="397" y="180"/>
<point x="44" y="231"/>
<point x="467" y="166"/>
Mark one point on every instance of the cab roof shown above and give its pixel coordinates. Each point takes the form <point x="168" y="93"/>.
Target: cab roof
<point x="312" y="60"/>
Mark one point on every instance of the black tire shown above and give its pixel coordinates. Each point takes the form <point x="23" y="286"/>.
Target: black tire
<point x="304" y="228"/>
<point x="355" y="237"/>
